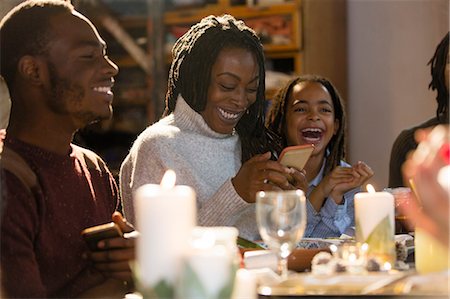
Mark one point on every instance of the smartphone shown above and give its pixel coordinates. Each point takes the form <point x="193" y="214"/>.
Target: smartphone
<point x="296" y="156"/>
<point x="92" y="235"/>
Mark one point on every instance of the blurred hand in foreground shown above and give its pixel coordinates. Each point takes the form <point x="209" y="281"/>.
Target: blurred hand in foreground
<point x="428" y="171"/>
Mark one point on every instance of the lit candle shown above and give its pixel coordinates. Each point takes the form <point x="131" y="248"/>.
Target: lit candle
<point x="165" y="217"/>
<point x="374" y="219"/>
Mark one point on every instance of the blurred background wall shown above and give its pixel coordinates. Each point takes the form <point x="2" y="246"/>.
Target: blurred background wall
<point x="389" y="46"/>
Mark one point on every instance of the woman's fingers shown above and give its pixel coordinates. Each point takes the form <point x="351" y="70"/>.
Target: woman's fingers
<point x="251" y="177"/>
<point x="299" y="179"/>
<point x="278" y="179"/>
<point x="261" y="173"/>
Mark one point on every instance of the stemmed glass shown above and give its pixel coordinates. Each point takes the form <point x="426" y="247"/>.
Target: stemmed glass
<point x="281" y="218"/>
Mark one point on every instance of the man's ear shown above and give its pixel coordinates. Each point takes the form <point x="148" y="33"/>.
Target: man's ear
<point x="29" y="68"/>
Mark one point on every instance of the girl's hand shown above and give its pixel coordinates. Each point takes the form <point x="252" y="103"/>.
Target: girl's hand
<point x="361" y="173"/>
<point x="260" y="173"/>
<point x="339" y="175"/>
<point x="364" y="172"/>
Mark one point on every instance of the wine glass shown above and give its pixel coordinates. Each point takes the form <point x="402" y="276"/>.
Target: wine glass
<point x="281" y="218"/>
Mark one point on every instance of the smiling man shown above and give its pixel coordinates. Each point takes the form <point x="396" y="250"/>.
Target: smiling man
<point x="59" y="77"/>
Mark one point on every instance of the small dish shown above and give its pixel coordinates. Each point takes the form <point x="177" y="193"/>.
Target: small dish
<point x="299" y="260"/>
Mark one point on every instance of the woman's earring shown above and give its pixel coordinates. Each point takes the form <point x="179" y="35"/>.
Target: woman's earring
<point x="247" y="112"/>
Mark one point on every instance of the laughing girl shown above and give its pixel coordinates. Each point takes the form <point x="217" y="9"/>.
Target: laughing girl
<point x="309" y="110"/>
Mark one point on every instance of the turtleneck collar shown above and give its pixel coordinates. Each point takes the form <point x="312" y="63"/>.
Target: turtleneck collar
<point x="188" y="118"/>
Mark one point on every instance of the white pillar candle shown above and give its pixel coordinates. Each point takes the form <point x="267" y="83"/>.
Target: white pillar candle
<point x="165" y="217"/>
<point x="374" y="219"/>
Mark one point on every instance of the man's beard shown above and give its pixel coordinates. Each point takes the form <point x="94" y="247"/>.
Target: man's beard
<point x="64" y="93"/>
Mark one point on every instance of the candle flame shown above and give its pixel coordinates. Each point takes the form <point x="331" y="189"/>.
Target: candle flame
<point x="168" y="180"/>
<point x="365" y="247"/>
<point x="333" y="248"/>
<point x="370" y="188"/>
<point x="387" y="266"/>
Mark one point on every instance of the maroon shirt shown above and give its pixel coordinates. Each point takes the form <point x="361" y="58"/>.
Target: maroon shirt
<point x="41" y="245"/>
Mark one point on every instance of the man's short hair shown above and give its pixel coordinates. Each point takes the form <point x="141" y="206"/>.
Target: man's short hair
<point x="25" y="30"/>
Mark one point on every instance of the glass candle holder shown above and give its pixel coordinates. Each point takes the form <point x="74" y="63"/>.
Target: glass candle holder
<point x="351" y="257"/>
<point x="402" y="196"/>
<point x="209" y="267"/>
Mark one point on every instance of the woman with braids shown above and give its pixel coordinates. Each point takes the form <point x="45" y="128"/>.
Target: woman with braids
<point x="309" y="110"/>
<point x="212" y="133"/>
<point x="406" y="142"/>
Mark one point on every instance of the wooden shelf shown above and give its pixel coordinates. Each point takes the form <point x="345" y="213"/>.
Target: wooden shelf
<point x="251" y="15"/>
<point x="193" y="15"/>
<point x="279" y="26"/>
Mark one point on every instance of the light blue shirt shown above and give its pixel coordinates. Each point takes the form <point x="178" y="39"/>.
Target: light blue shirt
<point x="332" y="220"/>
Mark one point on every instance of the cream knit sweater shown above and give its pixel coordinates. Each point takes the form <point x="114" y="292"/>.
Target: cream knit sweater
<point x="201" y="158"/>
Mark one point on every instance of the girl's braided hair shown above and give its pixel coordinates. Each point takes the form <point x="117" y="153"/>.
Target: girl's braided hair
<point x="276" y="119"/>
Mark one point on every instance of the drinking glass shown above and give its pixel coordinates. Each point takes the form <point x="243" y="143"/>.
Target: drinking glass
<point x="402" y="195"/>
<point x="281" y="218"/>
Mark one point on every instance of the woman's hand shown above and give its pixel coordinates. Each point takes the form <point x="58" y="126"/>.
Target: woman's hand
<point x="260" y="173"/>
<point x="114" y="254"/>
<point x="298" y="179"/>
<point x="427" y="168"/>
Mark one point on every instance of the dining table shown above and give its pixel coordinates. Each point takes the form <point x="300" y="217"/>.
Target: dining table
<point x="302" y="282"/>
<point x="406" y="282"/>
<point x="388" y="285"/>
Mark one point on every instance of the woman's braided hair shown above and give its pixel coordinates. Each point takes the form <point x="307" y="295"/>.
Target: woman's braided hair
<point x="195" y="53"/>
